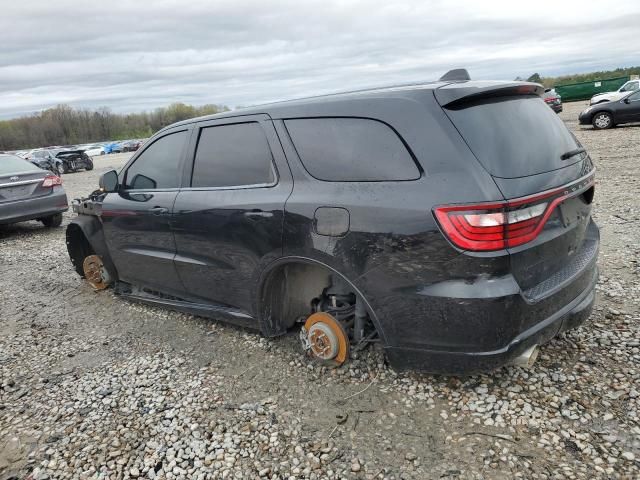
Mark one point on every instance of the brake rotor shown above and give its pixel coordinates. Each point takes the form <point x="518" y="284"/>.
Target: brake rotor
<point x="327" y="338"/>
<point x="95" y="273"/>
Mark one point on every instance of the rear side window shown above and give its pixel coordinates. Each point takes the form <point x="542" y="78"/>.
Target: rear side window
<point x="159" y="165"/>
<point x="351" y="150"/>
<point x="232" y="156"/>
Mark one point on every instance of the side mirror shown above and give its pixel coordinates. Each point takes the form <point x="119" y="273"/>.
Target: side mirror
<point x="109" y="181"/>
<point x="626" y="100"/>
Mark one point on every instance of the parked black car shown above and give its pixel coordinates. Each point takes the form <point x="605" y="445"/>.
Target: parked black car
<point x="29" y="193"/>
<point x="609" y="114"/>
<point x="46" y="160"/>
<point x="415" y="216"/>
<point x="73" y="160"/>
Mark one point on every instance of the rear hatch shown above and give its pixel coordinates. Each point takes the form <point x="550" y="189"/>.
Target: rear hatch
<point x="541" y="169"/>
<point x="20" y="179"/>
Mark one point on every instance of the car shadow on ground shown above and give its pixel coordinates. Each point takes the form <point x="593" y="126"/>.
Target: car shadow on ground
<point x="31" y="227"/>
<point x="617" y="127"/>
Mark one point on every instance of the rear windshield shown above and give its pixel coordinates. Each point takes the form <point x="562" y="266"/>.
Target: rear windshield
<point x="514" y="136"/>
<point x="13" y="164"/>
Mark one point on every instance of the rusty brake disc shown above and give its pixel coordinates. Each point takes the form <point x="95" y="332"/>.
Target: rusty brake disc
<point x="95" y="273"/>
<point x="327" y="339"/>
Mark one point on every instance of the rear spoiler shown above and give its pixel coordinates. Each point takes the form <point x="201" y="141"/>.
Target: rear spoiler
<point x="455" y="94"/>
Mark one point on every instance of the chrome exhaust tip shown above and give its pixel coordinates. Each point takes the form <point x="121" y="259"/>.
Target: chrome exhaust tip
<point x="527" y="358"/>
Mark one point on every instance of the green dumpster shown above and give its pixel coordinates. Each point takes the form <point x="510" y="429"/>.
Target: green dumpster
<point x="586" y="90"/>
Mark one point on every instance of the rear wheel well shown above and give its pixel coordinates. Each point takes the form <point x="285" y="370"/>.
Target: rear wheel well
<point x="293" y="291"/>
<point x="78" y="247"/>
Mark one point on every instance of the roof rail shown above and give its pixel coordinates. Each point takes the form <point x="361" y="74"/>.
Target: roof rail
<point x="457" y="74"/>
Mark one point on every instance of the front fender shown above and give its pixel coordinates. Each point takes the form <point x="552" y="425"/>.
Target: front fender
<point x="91" y="228"/>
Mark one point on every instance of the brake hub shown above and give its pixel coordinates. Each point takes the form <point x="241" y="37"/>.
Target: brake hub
<point x="95" y="273"/>
<point x="325" y="338"/>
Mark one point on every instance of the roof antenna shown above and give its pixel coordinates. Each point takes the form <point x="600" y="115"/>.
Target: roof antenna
<point x="457" y="74"/>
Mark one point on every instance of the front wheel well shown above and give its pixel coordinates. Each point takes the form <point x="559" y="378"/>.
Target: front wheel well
<point x="78" y="247"/>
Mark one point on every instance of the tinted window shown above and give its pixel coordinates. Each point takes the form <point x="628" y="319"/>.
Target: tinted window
<point x="514" y="136"/>
<point x="158" y="166"/>
<point x="13" y="164"/>
<point x="629" y="87"/>
<point x="634" y="97"/>
<point x="351" y="150"/>
<point x="232" y="155"/>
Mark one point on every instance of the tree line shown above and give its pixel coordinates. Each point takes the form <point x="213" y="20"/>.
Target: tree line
<point x="64" y="125"/>
<point x="582" y="77"/>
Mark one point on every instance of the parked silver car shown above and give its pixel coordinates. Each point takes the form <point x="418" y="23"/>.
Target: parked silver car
<point x="630" y="86"/>
<point x="30" y="193"/>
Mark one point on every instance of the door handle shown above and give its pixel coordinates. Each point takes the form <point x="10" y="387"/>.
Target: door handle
<point x="158" y="210"/>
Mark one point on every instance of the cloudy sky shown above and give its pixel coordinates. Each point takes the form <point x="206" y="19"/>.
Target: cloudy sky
<point x="138" y="55"/>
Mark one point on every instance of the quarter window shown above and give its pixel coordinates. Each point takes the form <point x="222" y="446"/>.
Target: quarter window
<point x="351" y="150"/>
<point x="232" y="156"/>
<point x="159" y="165"/>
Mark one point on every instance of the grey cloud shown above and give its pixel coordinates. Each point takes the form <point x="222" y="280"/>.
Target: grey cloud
<point x="131" y="56"/>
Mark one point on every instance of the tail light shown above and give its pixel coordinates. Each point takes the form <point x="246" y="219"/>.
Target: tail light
<point x="51" y="181"/>
<point x="499" y="225"/>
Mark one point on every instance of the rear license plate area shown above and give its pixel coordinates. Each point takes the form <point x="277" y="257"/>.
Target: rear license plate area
<point x="574" y="210"/>
<point x="9" y="193"/>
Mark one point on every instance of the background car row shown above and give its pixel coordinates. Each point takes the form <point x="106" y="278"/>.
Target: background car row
<point x="71" y="158"/>
<point x="91" y="149"/>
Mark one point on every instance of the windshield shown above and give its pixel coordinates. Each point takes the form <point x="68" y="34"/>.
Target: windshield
<point x="12" y="164"/>
<point x="514" y="136"/>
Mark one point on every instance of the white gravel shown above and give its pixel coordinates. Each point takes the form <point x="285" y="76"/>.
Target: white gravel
<point x="92" y="386"/>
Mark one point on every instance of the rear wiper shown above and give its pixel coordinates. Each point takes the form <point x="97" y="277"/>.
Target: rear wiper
<point x="572" y="153"/>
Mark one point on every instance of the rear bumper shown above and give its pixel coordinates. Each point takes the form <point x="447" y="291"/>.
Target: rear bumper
<point x="570" y="316"/>
<point x="33" y="208"/>
<point x="480" y="323"/>
<point x="556" y="108"/>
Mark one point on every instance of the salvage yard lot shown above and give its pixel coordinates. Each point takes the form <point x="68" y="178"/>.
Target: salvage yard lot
<point x="96" y="387"/>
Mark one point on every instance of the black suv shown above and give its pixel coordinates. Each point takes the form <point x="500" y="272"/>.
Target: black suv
<point x="449" y="221"/>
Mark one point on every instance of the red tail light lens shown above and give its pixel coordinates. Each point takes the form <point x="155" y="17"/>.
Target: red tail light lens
<point x="51" y="180"/>
<point x="495" y="226"/>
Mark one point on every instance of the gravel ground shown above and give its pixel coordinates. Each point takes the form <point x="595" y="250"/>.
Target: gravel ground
<point x="93" y="386"/>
